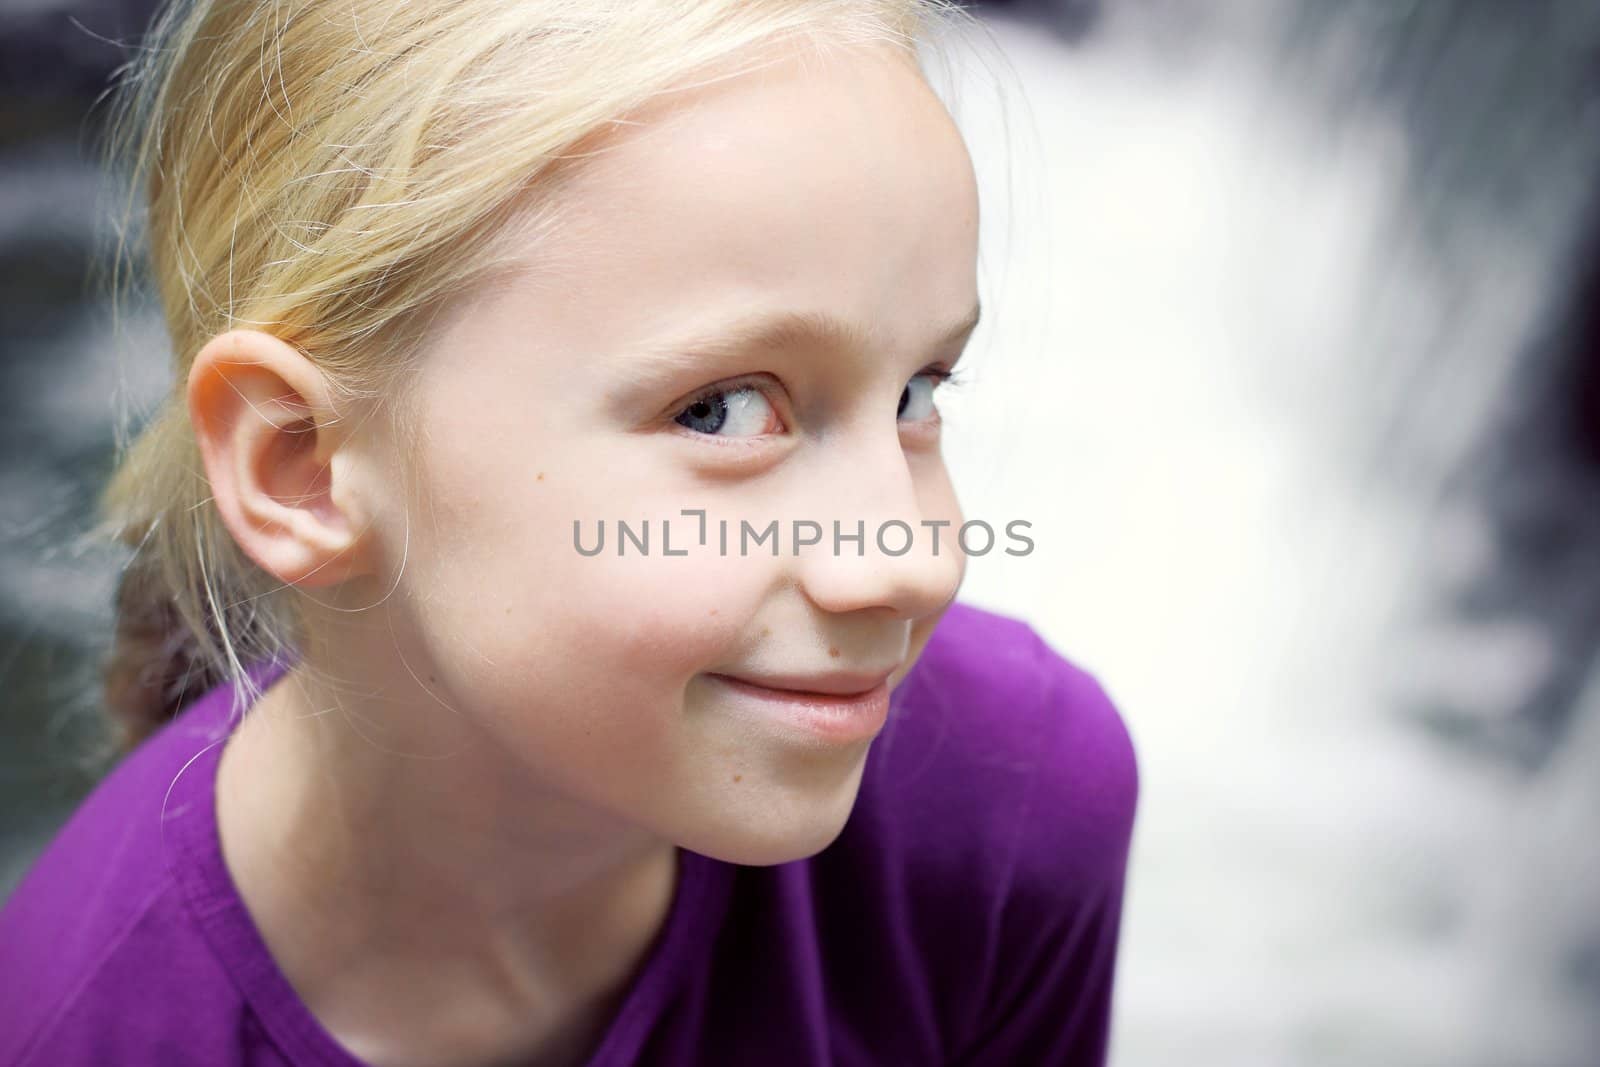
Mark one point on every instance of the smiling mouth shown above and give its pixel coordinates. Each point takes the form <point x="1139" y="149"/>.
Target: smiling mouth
<point x="824" y="688"/>
<point x="833" y="719"/>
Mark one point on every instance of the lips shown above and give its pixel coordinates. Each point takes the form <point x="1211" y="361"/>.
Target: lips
<point x="803" y="714"/>
<point x="833" y="684"/>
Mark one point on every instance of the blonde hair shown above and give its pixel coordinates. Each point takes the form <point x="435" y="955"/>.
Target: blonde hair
<point x="334" y="172"/>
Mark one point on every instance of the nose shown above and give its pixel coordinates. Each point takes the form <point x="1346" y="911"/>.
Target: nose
<point x="884" y="556"/>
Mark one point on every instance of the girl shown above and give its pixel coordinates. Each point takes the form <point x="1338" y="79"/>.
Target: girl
<point x="450" y="285"/>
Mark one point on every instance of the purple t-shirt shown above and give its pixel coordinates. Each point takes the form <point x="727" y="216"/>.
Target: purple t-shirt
<point x="967" y="914"/>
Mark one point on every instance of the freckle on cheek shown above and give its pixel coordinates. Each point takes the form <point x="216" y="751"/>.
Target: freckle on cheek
<point x="834" y="652"/>
<point x="766" y="631"/>
<point x="738" y="777"/>
<point x="539" y="477"/>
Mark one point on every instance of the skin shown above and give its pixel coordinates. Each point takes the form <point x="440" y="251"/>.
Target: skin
<point x="459" y="835"/>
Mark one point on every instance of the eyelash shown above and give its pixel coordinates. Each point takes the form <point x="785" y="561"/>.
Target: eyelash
<point x="952" y="377"/>
<point x="943" y="378"/>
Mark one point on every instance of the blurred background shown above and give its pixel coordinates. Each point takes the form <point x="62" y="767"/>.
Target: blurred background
<point x="1291" y="356"/>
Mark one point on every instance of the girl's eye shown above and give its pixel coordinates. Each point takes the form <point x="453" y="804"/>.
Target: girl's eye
<point x="743" y="410"/>
<point x="737" y="411"/>
<point x="916" y="401"/>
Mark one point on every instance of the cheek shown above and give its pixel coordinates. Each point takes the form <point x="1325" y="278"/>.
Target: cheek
<point x="937" y="498"/>
<point x="670" y="616"/>
<point x="510" y="588"/>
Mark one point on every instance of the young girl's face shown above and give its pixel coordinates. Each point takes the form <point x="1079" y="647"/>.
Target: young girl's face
<point x="834" y="187"/>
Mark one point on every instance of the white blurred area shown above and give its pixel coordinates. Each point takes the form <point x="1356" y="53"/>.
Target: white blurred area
<point x="1206" y="376"/>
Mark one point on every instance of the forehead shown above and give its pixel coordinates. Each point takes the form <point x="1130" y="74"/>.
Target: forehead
<point x="832" y="183"/>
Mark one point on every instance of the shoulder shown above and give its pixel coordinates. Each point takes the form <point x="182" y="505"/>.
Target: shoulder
<point x="989" y="843"/>
<point x="149" y="991"/>
<point x="97" y="944"/>
<point x="994" y="712"/>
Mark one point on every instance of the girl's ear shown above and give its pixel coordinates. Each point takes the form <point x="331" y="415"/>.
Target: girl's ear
<point x="277" y="456"/>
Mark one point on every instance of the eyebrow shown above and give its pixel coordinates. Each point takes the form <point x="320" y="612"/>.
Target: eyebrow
<point x="784" y="330"/>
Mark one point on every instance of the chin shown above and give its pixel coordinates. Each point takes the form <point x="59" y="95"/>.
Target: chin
<point x="768" y="851"/>
<point x="774" y="833"/>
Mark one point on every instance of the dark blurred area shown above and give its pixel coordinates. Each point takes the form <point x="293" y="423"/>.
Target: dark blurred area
<point x="55" y="57"/>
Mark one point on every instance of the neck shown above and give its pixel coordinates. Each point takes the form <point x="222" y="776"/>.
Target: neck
<point x="439" y="875"/>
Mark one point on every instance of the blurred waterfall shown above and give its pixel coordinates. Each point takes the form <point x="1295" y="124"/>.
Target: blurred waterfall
<point x="1295" y="375"/>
